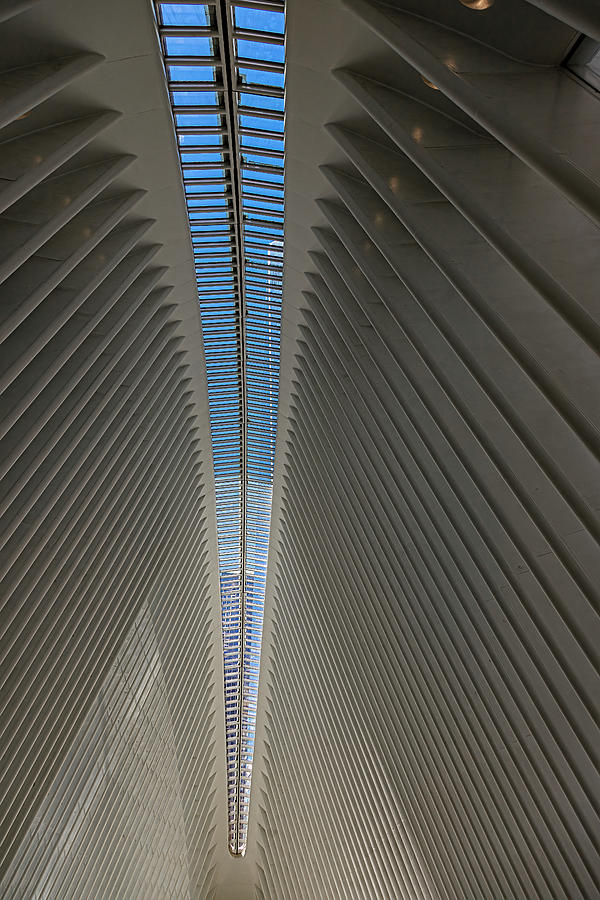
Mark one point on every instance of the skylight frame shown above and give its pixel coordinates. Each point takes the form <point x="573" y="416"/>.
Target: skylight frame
<point x="241" y="321"/>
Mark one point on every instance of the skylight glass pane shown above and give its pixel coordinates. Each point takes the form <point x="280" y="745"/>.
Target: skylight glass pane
<point x="260" y="143"/>
<point x="262" y="123"/>
<point x="268" y="21"/>
<point x="209" y="225"/>
<point x="240" y="306"/>
<point x="201" y="157"/>
<point x="184" y="14"/>
<point x="263" y="159"/>
<point x="257" y="191"/>
<point x="195" y="98"/>
<point x="197" y="121"/>
<point x="200" y="140"/>
<point x="204" y="189"/>
<point x="257" y="76"/>
<point x="202" y="238"/>
<point x="261" y="101"/>
<point x="214" y="203"/>
<point x="203" y="173"/>
<point x="257" y="175"/>
<point x="190" y="73"/>
<point x="188" y="46"/>
<point x="259" y="50"/>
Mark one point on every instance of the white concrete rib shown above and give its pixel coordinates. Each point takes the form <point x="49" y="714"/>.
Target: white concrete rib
<point x="429" y="726"/>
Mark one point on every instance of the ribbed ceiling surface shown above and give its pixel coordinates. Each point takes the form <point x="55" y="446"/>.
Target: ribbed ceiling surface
<point x="111" y="779"/>
<point x="428" y="723"/>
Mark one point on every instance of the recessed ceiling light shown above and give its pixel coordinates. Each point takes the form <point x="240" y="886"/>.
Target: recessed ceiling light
<point x="477" y="4"/>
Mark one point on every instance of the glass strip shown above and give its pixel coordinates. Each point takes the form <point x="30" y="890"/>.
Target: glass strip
<point x="225" y="71"/>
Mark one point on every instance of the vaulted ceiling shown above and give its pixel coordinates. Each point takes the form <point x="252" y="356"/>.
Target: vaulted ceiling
<point x="428" y="708"/>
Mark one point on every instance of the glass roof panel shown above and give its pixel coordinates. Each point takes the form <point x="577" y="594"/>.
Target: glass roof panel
<point x="200" y="140"/>
<point x="258" y="50"/>
<point x="194" y="73"/>
<point x="260" y="77"/>
<point x="257" y="142"/>
<point x="269" y="21"/>
<point x="266" y="192"/>
<point x="204" y="189"/>
<point x="260" y="175"/>
<point x="201" y="157"/>
<point x="194" y="98"/>
<point x="188" y="46"/>
<point x="184" y="14"/>
<point x="263" y="123"/>
<point x="198" y="121"/>
<point x="263" y="159"/>
<point x="261" y="101"/>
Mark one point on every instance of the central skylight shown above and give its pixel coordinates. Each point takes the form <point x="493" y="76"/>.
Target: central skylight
<point x="225" y="69"/>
